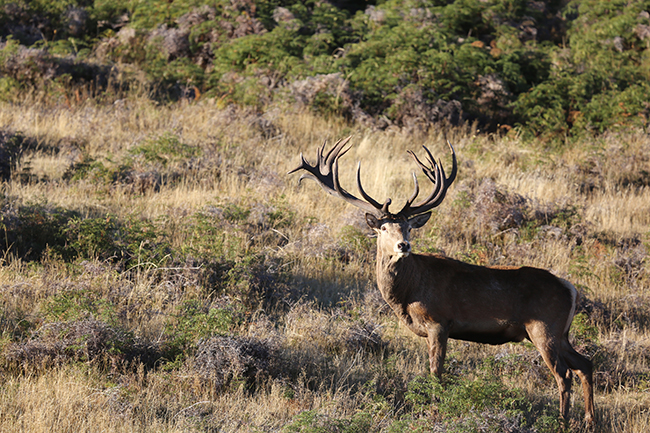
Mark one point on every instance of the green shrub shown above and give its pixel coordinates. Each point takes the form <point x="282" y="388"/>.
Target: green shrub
<point x="91" y="169"/>
<point x="192" y="322"/>
<point x="93" y="237"/>
<point x="9" y="87"/>
<point x="550" y="423"/>
<point x="583" y="330"/>
<point x="601" y="83"/>
<point x="615" y="108"/>
<point x="133" y="241"/>
<point x="235" y="213"/>
<point x="30" y="231"/>
<point x="35" y="228"/>
<point x="312" y="422"/>
<point x="76" y="305"/>
<point x="147" y="14"/>
<point x="281" y="216"/>
<point x="207" y="238"/>
<point x="12" y="146"/>
<point x="56" y="343"/>
<point x="165" y="150"/>
<point x="171" y="78"/>
<point x="421" y="393"/>
<point x="461" y="397"/>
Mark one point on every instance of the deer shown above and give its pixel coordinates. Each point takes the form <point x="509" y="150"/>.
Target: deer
<point x="438" y="297"/>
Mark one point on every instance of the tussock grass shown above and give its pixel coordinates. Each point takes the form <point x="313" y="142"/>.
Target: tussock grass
<point x="229" y="298"/>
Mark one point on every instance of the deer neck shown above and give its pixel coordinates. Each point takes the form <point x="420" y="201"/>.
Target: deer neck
<point x="393" y="275"/>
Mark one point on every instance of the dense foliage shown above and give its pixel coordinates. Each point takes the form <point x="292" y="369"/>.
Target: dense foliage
<point x="552" y="68"/>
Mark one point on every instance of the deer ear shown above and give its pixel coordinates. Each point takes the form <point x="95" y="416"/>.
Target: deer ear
<point x="419" y="220"/>
<point x="372" y="221"/>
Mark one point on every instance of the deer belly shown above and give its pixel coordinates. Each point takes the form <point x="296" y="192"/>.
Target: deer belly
<point x="489" y="333"/>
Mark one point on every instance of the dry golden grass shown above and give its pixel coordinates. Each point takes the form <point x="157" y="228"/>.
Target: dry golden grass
<point x="334" y="348"/>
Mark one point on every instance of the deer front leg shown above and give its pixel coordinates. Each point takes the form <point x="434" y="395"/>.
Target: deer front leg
<point x="437" y="342"/>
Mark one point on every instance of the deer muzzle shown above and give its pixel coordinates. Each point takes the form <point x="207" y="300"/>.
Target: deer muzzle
<point x="402" y="248"/>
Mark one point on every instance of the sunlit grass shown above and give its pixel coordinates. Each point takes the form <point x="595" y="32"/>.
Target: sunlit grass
<point x="293" y="268"/>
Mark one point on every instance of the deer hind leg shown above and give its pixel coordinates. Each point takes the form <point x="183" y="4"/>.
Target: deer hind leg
<point x="563" y="377"/>
<point x="584" y="369"/>
<point x="437" y="343"/>
<point x="547" y="347"/>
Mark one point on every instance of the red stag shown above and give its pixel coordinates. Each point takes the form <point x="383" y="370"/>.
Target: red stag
<point x="439" y="298"/>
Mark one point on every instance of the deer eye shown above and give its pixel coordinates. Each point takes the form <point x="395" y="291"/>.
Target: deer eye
<point x="383" y="228"/>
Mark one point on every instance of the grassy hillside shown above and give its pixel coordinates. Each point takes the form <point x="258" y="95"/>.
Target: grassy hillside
<point x="160" y="272"/>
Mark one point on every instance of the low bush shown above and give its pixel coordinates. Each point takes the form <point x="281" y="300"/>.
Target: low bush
<point x="225" y="360"/>
<point x="33" y="230"/>
<point x="314" y="422"/>
<point x="57" y="343"/>
<point x="457" y="397"/>
<point x="164" y="150"/>
<point x="12" y="145"/>
<point x="195" y="321"/>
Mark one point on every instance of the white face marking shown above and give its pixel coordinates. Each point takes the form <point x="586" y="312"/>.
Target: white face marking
<point x="402" y="248"/>
<point x="395" y="239"/>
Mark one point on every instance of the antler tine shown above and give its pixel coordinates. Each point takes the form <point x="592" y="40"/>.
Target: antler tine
<point x="383" y="208"/>
<point x="448" y="180"/>
<point x="432" y="173"/>
<point x="323" y="167"/>
<point x="306" y="166"/>
<point x="431" y="159"/>
<point x="335" y="165"/>
<point x="436" y="174"/>
<point x="416" y="190"/>
<point x="326" y="174"/>
<point x="334" y="154"/>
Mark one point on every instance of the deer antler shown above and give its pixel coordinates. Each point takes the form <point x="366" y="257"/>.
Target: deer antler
<point x="326" y="173"/>
<point x="436" y="174"/>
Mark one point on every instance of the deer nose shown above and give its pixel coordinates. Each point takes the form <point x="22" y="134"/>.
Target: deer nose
<point x="403" y="247"/>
